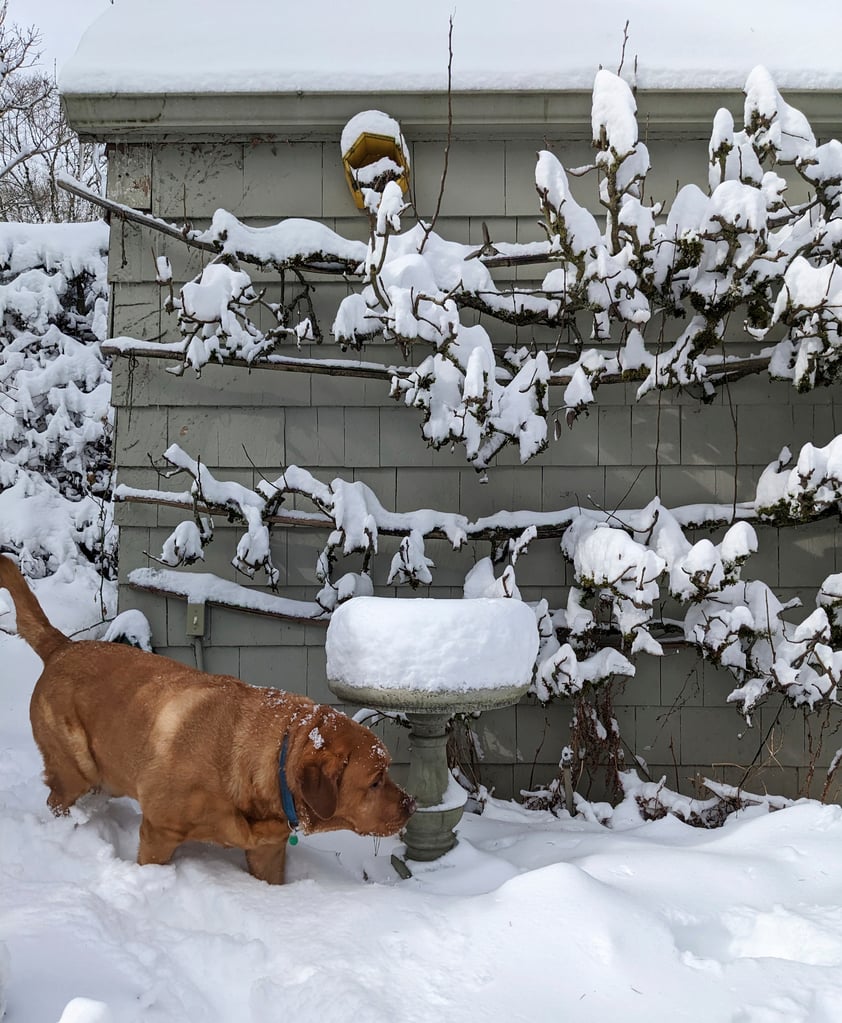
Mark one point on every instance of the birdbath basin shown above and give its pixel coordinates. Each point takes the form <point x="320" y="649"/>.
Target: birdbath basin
<point x="430" y="659"/>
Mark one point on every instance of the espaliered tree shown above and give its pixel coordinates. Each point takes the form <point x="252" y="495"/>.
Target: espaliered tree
<point x="646" y="293"/>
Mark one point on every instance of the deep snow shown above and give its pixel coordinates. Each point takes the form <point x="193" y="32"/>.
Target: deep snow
<point x="530" y="918"/>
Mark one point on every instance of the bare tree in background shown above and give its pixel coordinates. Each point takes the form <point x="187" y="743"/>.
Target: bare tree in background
<point x="36" y="140"/>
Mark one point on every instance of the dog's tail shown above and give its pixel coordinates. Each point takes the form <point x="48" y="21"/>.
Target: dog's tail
<point x="33" y="624"/>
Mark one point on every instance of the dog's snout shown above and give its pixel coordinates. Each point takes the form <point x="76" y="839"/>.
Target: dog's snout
<point x="408" y="804"/>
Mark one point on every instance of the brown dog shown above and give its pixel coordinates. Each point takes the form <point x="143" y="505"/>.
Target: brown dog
<point x="207" y="757"/>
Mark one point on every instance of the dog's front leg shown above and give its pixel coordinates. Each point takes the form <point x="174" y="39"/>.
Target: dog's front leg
<point x="267" y="862"/>
<point x="232" y="828"/>
<point x="157" y="844"/>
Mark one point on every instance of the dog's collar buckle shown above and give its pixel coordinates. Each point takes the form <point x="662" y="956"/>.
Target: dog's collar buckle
<point x="287" y="802"/>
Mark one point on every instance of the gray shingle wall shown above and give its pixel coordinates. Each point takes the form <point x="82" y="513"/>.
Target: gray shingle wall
<point x="244" y="425"/>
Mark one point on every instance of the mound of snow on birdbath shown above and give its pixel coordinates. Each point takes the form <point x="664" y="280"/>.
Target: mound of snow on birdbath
<point x="431" y="651"/>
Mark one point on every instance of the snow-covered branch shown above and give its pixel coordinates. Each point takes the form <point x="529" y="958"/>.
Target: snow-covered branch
<point x="313" y="247"/>
<point x="657" y="290"/>
<point x="625" y="569"/>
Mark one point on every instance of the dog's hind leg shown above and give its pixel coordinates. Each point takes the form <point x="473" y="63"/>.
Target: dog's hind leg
<point x="66" y="787"/>
<point x="69" y="766"/>
<point x="66" y="777"/>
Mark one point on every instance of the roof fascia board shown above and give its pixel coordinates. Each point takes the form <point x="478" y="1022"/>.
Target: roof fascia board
<point x="320" y="116"/>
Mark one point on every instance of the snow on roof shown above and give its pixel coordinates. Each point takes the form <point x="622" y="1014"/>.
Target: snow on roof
<point x="210" y="46"/>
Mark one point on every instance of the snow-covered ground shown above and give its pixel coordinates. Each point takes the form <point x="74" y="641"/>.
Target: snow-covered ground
<point x="530" y="918"/>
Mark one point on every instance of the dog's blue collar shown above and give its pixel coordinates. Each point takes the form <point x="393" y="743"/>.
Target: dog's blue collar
<point x="287" y="802"/>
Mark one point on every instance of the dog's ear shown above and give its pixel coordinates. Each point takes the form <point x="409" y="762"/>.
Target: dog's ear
<point x="319" y="788"/>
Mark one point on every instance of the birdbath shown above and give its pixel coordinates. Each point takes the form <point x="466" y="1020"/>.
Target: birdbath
<point x="430" y="659"/>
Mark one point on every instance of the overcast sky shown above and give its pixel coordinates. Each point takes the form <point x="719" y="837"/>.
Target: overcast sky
<point x="60" y="22"/>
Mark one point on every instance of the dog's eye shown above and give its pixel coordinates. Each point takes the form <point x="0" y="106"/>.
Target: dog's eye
<point x="376" y="783"/>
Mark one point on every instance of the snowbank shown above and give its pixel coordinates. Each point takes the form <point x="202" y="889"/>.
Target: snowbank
<point x="529" y="918"/>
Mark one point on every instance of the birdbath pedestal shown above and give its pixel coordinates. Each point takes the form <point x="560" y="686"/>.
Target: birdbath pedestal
<point x="430" y="659"/>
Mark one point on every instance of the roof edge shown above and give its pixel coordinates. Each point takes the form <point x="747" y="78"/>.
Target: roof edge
<point x="319" y="116"/>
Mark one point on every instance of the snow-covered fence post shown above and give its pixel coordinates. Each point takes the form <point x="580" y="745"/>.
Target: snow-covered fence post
<point x="431" y="659"/>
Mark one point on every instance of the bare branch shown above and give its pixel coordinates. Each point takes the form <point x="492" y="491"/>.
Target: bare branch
<point x="432" y="224"/>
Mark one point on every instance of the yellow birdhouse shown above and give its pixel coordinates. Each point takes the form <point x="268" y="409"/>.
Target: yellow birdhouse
<point x="374" y="152"/>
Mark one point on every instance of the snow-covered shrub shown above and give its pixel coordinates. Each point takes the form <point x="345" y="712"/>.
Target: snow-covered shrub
<point x="55" y="388"/>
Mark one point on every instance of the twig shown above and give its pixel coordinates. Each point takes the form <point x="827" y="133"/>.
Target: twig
<point x="763" y="744"/>
<point x="429" y="229"/>
<point x="623" y="51"/>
